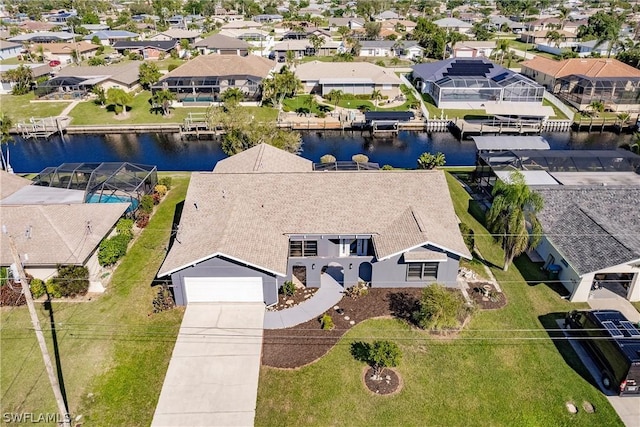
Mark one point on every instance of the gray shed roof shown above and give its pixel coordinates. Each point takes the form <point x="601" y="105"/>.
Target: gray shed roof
<point x="593" y="227"/>
<point x="488" y="143"/>
<point x="250" y="216"/>
<point x="10" y="183"/>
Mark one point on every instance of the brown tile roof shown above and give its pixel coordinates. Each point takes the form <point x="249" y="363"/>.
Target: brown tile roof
<point x="10" y="183"/>
<point x="250" y="216"/>
<point x="264" y="158"/>
<point x="590" y="67"/>
<point x="223" y="65"/>
<point x="37" y="26"/>
<point x="65" y="48"/>
<point x="58" y="234"/>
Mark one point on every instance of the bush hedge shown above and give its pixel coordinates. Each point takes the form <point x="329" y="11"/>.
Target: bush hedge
<point x="72" y="280"/>
<point x="166" y="181"/>
<point x="37" y="288"/>
<point x="146" y="204"/>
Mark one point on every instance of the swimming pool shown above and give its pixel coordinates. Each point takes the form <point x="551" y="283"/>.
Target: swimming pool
<point x="114" y="198"/>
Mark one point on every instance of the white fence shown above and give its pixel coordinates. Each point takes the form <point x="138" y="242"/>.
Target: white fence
<point x="559" y="105"/>
<point x="406" y="82"/>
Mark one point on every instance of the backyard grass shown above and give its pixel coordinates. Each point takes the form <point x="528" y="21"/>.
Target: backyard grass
<point x="301" y="101"/>
<point x="20" y="107"/>
<point x="558" y="115"/>
<point x="114" y="353"/>
<point x="90" y="113"/>
<point x="502" y="370"/>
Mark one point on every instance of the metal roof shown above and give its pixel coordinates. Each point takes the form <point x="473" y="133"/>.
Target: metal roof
<point x="488" y="143"/>
<point x="531" y="178"/>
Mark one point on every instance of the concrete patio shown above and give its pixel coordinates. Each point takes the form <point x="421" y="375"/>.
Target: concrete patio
<point x="328" y="295"/>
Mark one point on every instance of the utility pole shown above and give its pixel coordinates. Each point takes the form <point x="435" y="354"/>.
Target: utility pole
<point x="66" y="422"/>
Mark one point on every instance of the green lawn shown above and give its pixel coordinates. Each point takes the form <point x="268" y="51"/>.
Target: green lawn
<point x="20" y="108"/>
<point x="451" y="113"/>
<point x="482" y="377"/>
<point x="300" y="101"/>
<point x="111" y="347"/>
<point x="388" y="62"/>
<point x="89" y="113"/>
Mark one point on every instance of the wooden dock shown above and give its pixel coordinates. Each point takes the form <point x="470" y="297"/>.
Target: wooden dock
<point x="42" y="127"/>
<point x="516" y="127"/>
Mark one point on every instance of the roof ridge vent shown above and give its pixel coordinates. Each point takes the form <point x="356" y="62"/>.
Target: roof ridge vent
<point x="418" y="220"/>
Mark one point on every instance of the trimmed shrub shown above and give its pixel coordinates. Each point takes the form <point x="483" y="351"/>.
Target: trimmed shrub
<point x="360" y="158"/>
<point x="163" y="300"/>
<point x="113" y="248"/>
<point x="142" y="220"/>
<point x="125" y="227"/>
<point x="160" y="189"/>
<point x="72" y="280"/>
<point x="440" y="308"/>
<point x="356" y="291"/>
<point x="4" y="275"/>
<point x="326" y="322"/>
<point x="52" y="289"/>
<point x="156" y="198"/>
<point x="172" y="67"/>
<point x="387" y="168"/>
<point x="288" y="288"/>
<point x="467" y="236"/>
<point x="37" y="288"/>
<point x="327" y="158"/>
<point x="146" y="204"/>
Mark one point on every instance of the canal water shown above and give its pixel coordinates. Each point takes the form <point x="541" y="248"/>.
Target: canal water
<point x="169" y="153"/>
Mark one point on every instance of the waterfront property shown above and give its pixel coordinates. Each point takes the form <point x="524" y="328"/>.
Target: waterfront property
<point x="66" y="53"/>
<point x="219" y="44"/>
<point x="389" y="48"/>
<point x="476" y="83"/>
<point x="303" y="47"/>
<point x="356" y="78"/>
<point x="279" y="222"/>
<point x="37" y="70"/>
<point x="205" y="78"/>
<point x="148" y="49"/>
<point x="579" y="81"/>
<point x="109" y="37"/>
<point x="42" y="37"/>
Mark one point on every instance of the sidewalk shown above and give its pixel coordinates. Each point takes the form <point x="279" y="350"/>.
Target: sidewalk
<point x="70" y="107"/>
<point x="328" y="295"/>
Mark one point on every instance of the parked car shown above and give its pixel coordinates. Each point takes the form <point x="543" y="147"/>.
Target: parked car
<point x="54" y="63"/>
<point x="614" y="344"/>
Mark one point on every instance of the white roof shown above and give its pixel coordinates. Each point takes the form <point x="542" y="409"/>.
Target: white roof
<point x="508" y="142"/>
<point x="519" y="109"/>
<point x="345" y="71"/>
<point x="598" y="178"/>
<point x="36" y="194"/>
<point x="531" y="178"/>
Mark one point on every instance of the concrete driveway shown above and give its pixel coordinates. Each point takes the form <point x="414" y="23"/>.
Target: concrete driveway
<point x="627" y="407"/>
<point x="212" y="379"/>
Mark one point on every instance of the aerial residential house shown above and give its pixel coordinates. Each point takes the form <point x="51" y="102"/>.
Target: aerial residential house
<point x="351" y="23"/>
<point x="388" y="48"/>
<point x="454" y="24"/>
<point x="477" y="83"/>
<point x="109" y="37"/>
<point x="149" y="49"/>
<point x="401" y="25"/>
<point x="385" y="15"/>
<point x="579" y="81"/>
<point x="204" y="78"/>
<point x="241" y="25"/>
<point x="219" y="44"/>
<point x="94" y="28"/>
<point x="268" y="18"/>
<point x="498" y="23"/>
<point x="9" y="49"/>
<point x="473" y="49"/>
<point x="303" y="47"/>
<point x="377" y="227"/>
<point x="358" y="78"/>
<point x="37" y="26"/>
<point x="594" y="47"/>
<point x="542" y="37"/>
<point x="61" y="16"/>
<point x="261" y="41"/>
<point x="66" y="53"/>
<point x="545" y="24"/>
<point x="179" y="35"/>
<point x="42" y="37"/>
<point x="77" y="82"/>
<point x="37" y="71"/>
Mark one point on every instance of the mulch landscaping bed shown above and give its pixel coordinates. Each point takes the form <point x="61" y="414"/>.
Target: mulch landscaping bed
<point x="389" y="384"/>
<point x="299" y="296"/>
<point x="305" y="343"/>
<point x="483" y="302"/>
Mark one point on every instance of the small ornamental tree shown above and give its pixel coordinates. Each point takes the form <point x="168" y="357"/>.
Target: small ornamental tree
<point x="430" y="161"/>
<point x="378" y="355"/>
<point x="148" y="73"/>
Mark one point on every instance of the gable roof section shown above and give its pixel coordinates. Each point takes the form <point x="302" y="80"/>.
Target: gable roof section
<point x="127" y="73"/>
<point x="434" y="71"/>
<point x="165" y="45"/>
<point x="590" y="67"/>
<point x="67" y="48"/>
<point x="223" y="65"/>
<point x="59" y="234"/>
<point x="219" y="41"/>
<point x="10" y="183"/>
<point x="593" y="227"/>
<point x="263" y="158"/>
<point x="250" y="216"/>
<point x="111" y="34"/>
<point x="178" y="33"/>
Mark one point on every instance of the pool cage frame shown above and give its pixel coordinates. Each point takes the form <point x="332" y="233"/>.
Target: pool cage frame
<point x="109" y="180"/>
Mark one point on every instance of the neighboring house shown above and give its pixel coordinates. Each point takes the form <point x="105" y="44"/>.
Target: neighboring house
<point x="475" y="83"/>
<point x="590" y="238"/>
<point x="149" y="49"/>
<point x="55" y="232"/>
<point x="497" y="23"/>
<point x="241" y="25"/>
<point x="387" y="14"/>
<point x="572" y="26"/>
<point x="302" y="48"/>
<point x="66" y="52"/>
<point x="42" y="37"/>
<point x="545" y="24"/>
<point x="234" y="245"/>
<point x="389" y="48"/>
<point x="598" y="48"/>
<point x="542" y="37"/>
<point x="305" y="33"/>
<point x="109" y="37"/>
<point x="399" y="24"/>
<point x="358" y="78"/>
<point x="454" y="24"/>
<point x="351" y="23"/>
<point x="178" y="34"/>
<point x="579" y="81"/>
<point x="9" y="49"/>
<point x="473" y="49"/>
<point x="267" y="18"/>
<point x="205" y="77"/>
<point x="94" y="28"/>
<point x="37" y="70"/>
<point x="219" y="44"/>
<point x="37" y="26"/>
<point x="261" y="41"/>
<point x="77" y="82"/>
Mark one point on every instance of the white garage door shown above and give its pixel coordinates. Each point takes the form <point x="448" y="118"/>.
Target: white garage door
<point x="223" y="289"/>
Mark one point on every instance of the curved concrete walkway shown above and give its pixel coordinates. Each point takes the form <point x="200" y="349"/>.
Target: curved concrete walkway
<point x="328" y="295"/>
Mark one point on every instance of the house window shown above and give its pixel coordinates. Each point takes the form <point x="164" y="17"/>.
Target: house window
<point x="231" y="82"/>
<point x="422" y="271"/>
<point x="300" y="248"/>
<point x="354" y="247"/>
<point x="386" y="87"/>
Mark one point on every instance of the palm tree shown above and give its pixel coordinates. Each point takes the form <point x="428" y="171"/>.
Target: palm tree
<point x="232" y="95"/>
<point x="120" y="99"/>
<point x="5" y="137"/>
<point x="101" y="95"/>
<point x="335" y="95"/>
<point x="317" y="42"/>
<point x="163" y="98"/>
<point x="430" y="161"/>
<point x="344" y="32"/>
<point x="503" y="48"/>
<point x="290" y="58"/>
<point x="513" y="214"/>
<point x="555" y="37"/>
<point x="376" y="95"/>
<point x="596" y="107"/>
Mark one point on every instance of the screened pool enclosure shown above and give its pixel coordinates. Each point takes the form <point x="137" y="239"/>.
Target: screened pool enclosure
<point x="504" y="87"/>
<point x="613" y="92"/>
<point x="103" y="182"/>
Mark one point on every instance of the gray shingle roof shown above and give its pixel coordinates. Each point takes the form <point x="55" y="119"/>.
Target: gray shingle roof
<point x="593" y="227"/>
<point x="249" y="216"/>
<point x="10" y="183"/>
<point x="219" y="41"/>
<point x="264" y="158"/>
<point x="58" y="233"/>
<point x="127" y="73"/>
